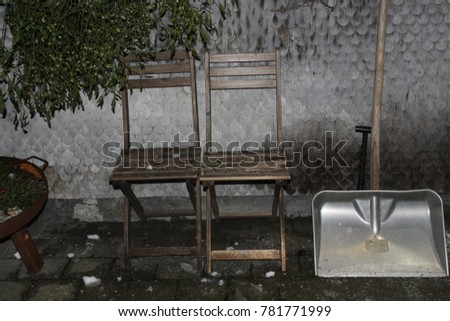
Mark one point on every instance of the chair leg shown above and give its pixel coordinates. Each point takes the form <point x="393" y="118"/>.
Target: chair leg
<point x="282" y="232"/>
<point x="276" y="199"/>
<point x="126" y="231"/>
<point x="198" y="223"/>
<point x="191" y="187"/>
<point x="214" y="204"/>
<point x="208" y="230"/>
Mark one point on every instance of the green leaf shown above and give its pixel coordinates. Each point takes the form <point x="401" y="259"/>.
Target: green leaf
<point x="203" y="35"/>
<point x="223" y="11"/>
<point x="16" y="38"/>
<point x="5" y="58"/>
<point x="113" y="103"/>
<point x="100" y="101"/>
<point x="172" y="47"/>
<point x="2" y="103"/>
<point x="162" y="12"/>
<point x="196" y="55"/>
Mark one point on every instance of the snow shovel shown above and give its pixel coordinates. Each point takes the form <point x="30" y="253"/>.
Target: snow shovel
<point x="375" y="232"/>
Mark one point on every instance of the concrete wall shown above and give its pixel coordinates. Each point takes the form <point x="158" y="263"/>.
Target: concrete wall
<point x="327" y="70"/>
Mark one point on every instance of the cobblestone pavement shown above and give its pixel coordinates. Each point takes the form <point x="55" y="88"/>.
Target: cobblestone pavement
<point x="70" y="253"/>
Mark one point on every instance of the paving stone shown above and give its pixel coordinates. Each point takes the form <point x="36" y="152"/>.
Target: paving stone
<point x="9" y="268"/>
<point x="142" y="268"/>
<point x="255" y="290"/>
<point x="10" y="253"/>
<point x="97" y="267"/>
<point x="55" y="291"/>
<point x="306" y="262"/>
<point x="68" y="229"/>
<point x="177" y="268"/>
<point x="176" y="232"/>
<point x="264" y="269"/>
<point x="52" y="269"/>
<point x="425" y="289"/>
<point x="106" y="247"/>
<point x="58" y="247"/>
<point x="5" y="246"/>
<point x="232" y="269"/>
<point x="313" y="288"/>
<point x="295" y="242"/>
<point x="156" y="290"/>
<point x="303" y="227"/>
<point x="105" y="229"/>
<point x="204" y="289"/>
<point x="113" y="290"/>
<point x="12" y="291"/>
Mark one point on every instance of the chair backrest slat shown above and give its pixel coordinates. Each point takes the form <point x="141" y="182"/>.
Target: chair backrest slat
<point x="243" y="71"/>
<point x="243" y="84"/>
<point x="157" y="69"/>
<point x="159" y="82"/>
<point x="243" y="57"/>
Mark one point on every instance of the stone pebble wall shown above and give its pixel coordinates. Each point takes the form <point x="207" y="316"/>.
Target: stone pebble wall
<point x="327" y="76"/>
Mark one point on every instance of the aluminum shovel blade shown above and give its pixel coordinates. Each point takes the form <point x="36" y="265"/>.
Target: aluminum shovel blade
<point x="379" y="233"/>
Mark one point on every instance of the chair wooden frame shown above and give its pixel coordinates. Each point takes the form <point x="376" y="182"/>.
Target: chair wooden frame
<point x="138" y="166"/>
<point x="240" y="72"/>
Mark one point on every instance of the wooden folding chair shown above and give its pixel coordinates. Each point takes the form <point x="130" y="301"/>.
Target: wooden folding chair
<point x="242" y="72"/>
<point x="159" y="165"/>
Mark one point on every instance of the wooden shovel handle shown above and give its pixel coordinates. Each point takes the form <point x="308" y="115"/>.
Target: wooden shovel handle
<point x="378" y="98"/>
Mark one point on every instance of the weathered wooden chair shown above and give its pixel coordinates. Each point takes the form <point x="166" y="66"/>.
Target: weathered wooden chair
<point x="158" y="165"/>
<point x="241" y="72"/>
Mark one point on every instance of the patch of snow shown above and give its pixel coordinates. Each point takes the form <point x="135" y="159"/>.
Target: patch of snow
<point x="236" y="243"/>
<point x="150" y="167"/>
<point x="214" y="274"/>
<point x="187" y="267"/>
<point x="119" y="278"/>
<point x="91" y="281"/>
<point x="149" y="289"/>
<point x="71" y="255"/>
<point x="230" y="248"/>
<point x="17" y="256"/>
<point x="93" y="237"/>
<point x="270" y="274"/>
<point x="205" y="280"/>
<point x="221" y="282"/>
